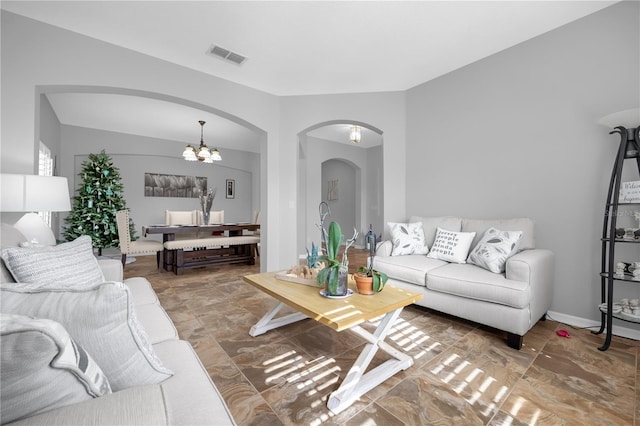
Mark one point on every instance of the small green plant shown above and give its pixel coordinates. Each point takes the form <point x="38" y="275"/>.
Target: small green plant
<point x="312" y="256"/>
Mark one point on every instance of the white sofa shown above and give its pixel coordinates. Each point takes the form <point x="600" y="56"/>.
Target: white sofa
<point x="512" y="301"/>
<point x="188" y="397"/>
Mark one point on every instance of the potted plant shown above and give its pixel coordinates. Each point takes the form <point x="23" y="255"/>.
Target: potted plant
<point x="368" y="280"/>
<point x="334" y="275"/>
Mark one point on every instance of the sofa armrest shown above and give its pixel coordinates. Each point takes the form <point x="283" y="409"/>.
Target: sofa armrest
<point x="528" y="264"/>
<point x="536" y="267"/>
<point x="384" y="248"/>
<point x="111" y="269"/>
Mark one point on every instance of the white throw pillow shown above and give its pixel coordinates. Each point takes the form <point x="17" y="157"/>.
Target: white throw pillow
<point x="71" y="262"/>
<point x="407" y="238"/>
<point x="102" y="319"/>
<point x="451" y="246"/>
<point x="494" y="248"/>
<point x="43" y="368"/>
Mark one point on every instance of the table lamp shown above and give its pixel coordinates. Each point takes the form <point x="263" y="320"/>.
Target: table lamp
<point x="33" y="193"/>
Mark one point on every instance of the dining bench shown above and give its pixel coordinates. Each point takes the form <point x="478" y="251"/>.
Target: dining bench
<point x="192" y="253"/>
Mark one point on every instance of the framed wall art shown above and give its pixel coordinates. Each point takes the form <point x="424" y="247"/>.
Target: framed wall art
<point x="231" y="188"/>
<point x="161" y="185"/>
<point x="332" y="193"/>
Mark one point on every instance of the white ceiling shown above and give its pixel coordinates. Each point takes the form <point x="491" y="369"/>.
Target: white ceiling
<point x="296" y="47"/>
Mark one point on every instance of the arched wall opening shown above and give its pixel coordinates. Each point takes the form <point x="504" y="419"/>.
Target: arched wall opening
<point x="167" y="152"/>
<point x="365" y="165"/>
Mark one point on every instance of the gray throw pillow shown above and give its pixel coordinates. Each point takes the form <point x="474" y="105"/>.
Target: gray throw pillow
<point x="407" y="238"/>
<point x="102" y="319"/>
<point x="71" y="262"/>
<point x="43" y="368"/>
<point x="494" y="248"/>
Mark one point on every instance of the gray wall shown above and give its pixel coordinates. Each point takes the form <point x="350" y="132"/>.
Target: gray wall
<point x="515" y="135"/>
<point x="374" y="184"/>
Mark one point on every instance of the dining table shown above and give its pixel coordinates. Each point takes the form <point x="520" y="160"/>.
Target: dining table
<point x="170" y="232"/>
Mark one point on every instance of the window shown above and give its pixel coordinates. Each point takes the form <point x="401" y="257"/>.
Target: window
<point x="45" y="168"/>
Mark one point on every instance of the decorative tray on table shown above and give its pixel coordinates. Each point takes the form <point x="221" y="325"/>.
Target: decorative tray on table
<point x="294" y="278"/>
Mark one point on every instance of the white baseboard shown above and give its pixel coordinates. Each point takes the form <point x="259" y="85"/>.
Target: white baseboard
<point x="629" y="333"/>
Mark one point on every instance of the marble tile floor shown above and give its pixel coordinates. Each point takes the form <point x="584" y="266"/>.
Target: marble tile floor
<point x="463" y="374"/>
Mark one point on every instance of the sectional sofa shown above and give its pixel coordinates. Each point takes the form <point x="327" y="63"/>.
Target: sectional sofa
<point x="80" y="345"/>
<point x="512" y="297"/>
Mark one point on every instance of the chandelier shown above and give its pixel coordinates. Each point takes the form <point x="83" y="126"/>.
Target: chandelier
<point x="354" y="134"/>
<point x="202" y="153"/>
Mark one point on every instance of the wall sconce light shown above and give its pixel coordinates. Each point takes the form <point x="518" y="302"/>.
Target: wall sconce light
<point x="354" y="134"/>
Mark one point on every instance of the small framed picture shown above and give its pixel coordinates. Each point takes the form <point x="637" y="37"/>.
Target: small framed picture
<point x="231" y="188"/>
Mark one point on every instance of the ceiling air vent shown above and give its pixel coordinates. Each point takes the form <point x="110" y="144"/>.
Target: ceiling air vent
<point x="227" y="55"/>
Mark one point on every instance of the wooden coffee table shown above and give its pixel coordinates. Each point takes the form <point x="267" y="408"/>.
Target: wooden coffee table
<point x="341" y="314"/>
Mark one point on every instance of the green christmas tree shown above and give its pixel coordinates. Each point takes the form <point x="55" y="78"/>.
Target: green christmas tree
<point x="99" y="197"/>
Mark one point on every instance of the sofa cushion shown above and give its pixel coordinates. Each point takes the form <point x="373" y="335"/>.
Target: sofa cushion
<point x="156" y="323"/>
<point x="412" y="268"/>
<point x="112" y="269"/>
<point x="9" y="237"/>
<point x="43" y="368"/>
<point x="141" y="291"/>
<point x="407" y="238"/>
<point x="191" y="398"/>
<point x="139" y="406"/>
<point x="480" y="226"/>
<point x="494" y="248"/>
<point x="477" y="283"/>
<point x="102" y="319"/>
<point x="451" y="246"/>
<point x="430" y="225"/>
<point x="70" y="263"/>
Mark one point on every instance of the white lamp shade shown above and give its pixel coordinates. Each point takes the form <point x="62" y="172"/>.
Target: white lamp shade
<point x="204" y="152"/>
<point x="215" y="155"/>
<point x="629" y="119"/>
<point x="33" y="193"/>
<point x="189" y="153"/>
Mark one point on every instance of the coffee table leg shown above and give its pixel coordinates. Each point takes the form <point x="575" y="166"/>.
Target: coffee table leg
<point x="356" y="383"/>
<point x="267" y="322"/>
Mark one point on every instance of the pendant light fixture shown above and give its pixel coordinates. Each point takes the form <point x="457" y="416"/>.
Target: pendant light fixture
<point x="202" y="152"/>
<point x="354" y="134"/>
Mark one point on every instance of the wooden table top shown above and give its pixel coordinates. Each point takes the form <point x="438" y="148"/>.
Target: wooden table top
<point x="339" y="314"/>
<point x="183" y="229"/>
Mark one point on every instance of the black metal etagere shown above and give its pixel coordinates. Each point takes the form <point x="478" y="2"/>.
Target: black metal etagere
<point x="629" y="150"/>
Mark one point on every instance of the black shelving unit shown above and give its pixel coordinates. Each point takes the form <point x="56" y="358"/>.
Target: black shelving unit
<point x="629" y="150"/>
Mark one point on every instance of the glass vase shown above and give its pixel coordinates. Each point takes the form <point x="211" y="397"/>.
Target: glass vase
<point x="343" y="283"/>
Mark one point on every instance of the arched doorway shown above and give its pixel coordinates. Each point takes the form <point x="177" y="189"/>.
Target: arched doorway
<point x="159" y="153"/>
<point x="325" y="154"/>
